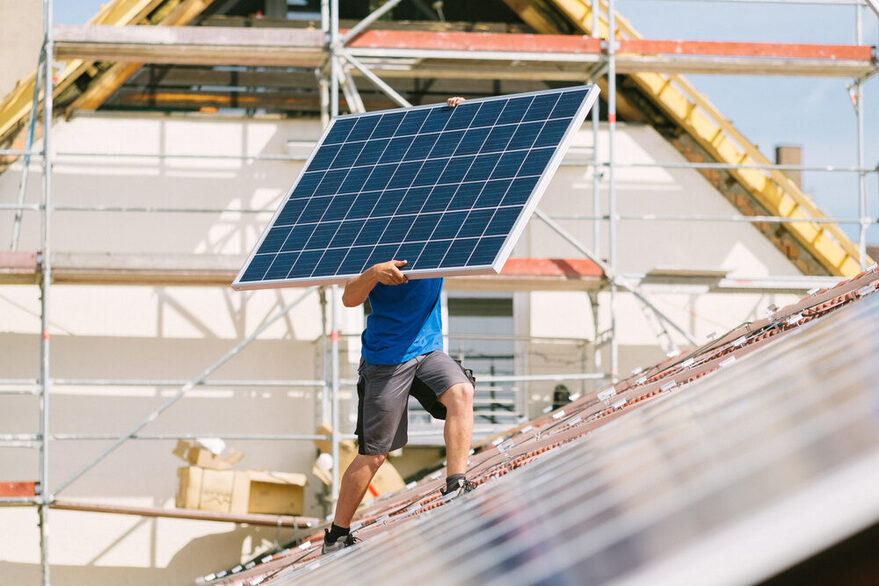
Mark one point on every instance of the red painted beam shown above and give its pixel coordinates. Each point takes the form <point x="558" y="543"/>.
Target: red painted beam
<point x="741" y="49"/>
<point x="571" y="268"/>
<point x="18" y="489"/>
<point x="502" y="42"/>
<point x="457" y="41"/>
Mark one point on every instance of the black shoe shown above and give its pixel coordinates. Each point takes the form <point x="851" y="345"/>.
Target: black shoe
<point x="464" y="486"/>
<point x="341" y="543"/>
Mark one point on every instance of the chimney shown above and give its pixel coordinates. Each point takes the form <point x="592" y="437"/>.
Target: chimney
<point x="790" y="155"/>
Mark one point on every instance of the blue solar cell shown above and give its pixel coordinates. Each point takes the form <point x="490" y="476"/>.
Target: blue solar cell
<point x="437" y="120"/>
<point x="388" y="202"/>
<point x="430" y="172"/>
<point x="536" y="161"/>
<point x="340" y="130"/>
<point x="307" y="184"/>
<point x="372" y="152"/>
<point x="421" y="147"/>
<point x="472" y="141"/>
<point x="322" y="235"/>
<point x="508" y="165"/>
<point x="462" y="116"/>
<point x="444" y="188"/>
<point x="257" y="268"/>
<point x="382" y="253"/>
<point x="449" y="225"/>
<point x="355" y="260"/>
<point x="412" y="122"/>
<point x="405" y="175"/>
<point x="487" y="250"/>
<point x="423" y="227"/>
<point x="493" y="193"/>
<point x="488" y="113"/>
<point x="299" y="235"/>
<point x="363" y="205"/>
<point x="433" y="254"/>
<point x="475" y="223"/>
<point x="281" y="265"/>
<point x="525" y="136"/>
<point x="347" y="155"/>
<point x="290" y="212"/>
<point x="439" y="198"/>
<point x="552" y="132"/>
<point x="459" y="252"/>
<point x="355" y="180"/>
<point x="331" y="260"/>
<point x="397" y="229"/>
<point x="482" y="167"/>
<point x="315" y="209"/>
<point x="409" y="252"/>
<point x="541" y="107"/>
<point x="456" y="169"/>
<point x="274" y="239"/>
<point x="413" y="200"/>
<point x="568" y="104"/>
<point x="388" y="125"/>
<point x="339" y="207"/>
<point x="514" y="110"/>
<point x="395" y="151"/>
<point x="466" y="196"/>
<point x="380" y="177"/>
<point x="305" y="264"/>
<point x="324" y="156"/>
<point x="447" y="143"/>
<point x="498" y="139"/>
<point x="363" y="129"/>
<point x="519" y="191"/>
<point x="372" y="231"/>
<point x="503" y="221"/>
<point x="331" y="182"/>
<point x="347" y="233"/>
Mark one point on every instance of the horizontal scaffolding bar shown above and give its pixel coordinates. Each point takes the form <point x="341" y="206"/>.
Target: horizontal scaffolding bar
<point x="747" y="219"/>
<point x="121" y="382"/>
<point x="286" y="521"/>
<point x="192" y="436"/>
<point x="20" y="501"/>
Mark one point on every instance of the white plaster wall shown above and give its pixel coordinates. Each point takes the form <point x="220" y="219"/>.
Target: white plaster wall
<point x="176" y="332"/>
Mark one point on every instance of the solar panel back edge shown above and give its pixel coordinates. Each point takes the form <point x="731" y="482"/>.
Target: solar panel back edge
<point x="486" y="253"/>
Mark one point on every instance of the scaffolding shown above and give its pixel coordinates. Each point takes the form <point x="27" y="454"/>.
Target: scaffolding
<point x="337" y="56"/>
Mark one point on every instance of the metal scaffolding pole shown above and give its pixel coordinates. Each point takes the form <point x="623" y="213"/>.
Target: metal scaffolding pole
<point x="596" y="177"/>
<point x="45" y="287"/>
<point x="334" y="491"/>
<point x="858" y="101"/>
<point x="611" y="179"/>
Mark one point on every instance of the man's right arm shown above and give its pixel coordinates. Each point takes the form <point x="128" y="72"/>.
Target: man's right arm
<point x="358" y="288"/>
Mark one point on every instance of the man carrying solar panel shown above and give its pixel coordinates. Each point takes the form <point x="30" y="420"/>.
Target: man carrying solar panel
<point x="402" y="345"/>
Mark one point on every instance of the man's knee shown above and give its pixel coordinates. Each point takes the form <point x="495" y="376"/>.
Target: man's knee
<point x="459" y="396"/>
<point x="373" y="461"/>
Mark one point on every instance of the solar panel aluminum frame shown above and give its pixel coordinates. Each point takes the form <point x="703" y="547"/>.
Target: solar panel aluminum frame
<point x="512" y="237"/>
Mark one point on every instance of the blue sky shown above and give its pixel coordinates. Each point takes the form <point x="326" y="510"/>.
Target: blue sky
<point x="814" y="113"/>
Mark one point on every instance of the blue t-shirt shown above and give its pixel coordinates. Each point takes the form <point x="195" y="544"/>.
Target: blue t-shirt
<point x="405" y="321"/>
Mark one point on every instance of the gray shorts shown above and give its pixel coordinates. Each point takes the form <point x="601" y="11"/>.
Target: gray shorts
<point x="383" y="391"/>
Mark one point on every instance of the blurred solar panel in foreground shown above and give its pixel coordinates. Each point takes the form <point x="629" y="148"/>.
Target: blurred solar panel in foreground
<point x="767" y="455"/>
<point x="447" y="189"/>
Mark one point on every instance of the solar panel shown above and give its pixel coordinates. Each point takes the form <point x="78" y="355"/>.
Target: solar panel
<point x="447" y="189"/>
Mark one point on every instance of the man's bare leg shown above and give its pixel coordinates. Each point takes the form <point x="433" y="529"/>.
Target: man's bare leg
<point x="355" y="483"/>
<point x="458" y="430"/>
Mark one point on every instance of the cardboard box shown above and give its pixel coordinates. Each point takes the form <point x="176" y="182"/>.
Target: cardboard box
<point x="241" y="491"/>
<point x="386" y="479"/>
<point x="198" y="455"/>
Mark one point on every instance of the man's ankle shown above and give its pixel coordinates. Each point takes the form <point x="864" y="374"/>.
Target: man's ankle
<point x="335" y="532"/>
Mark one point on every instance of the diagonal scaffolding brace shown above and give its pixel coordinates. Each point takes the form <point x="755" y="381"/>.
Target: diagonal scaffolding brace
<point x="183" y="390"/>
